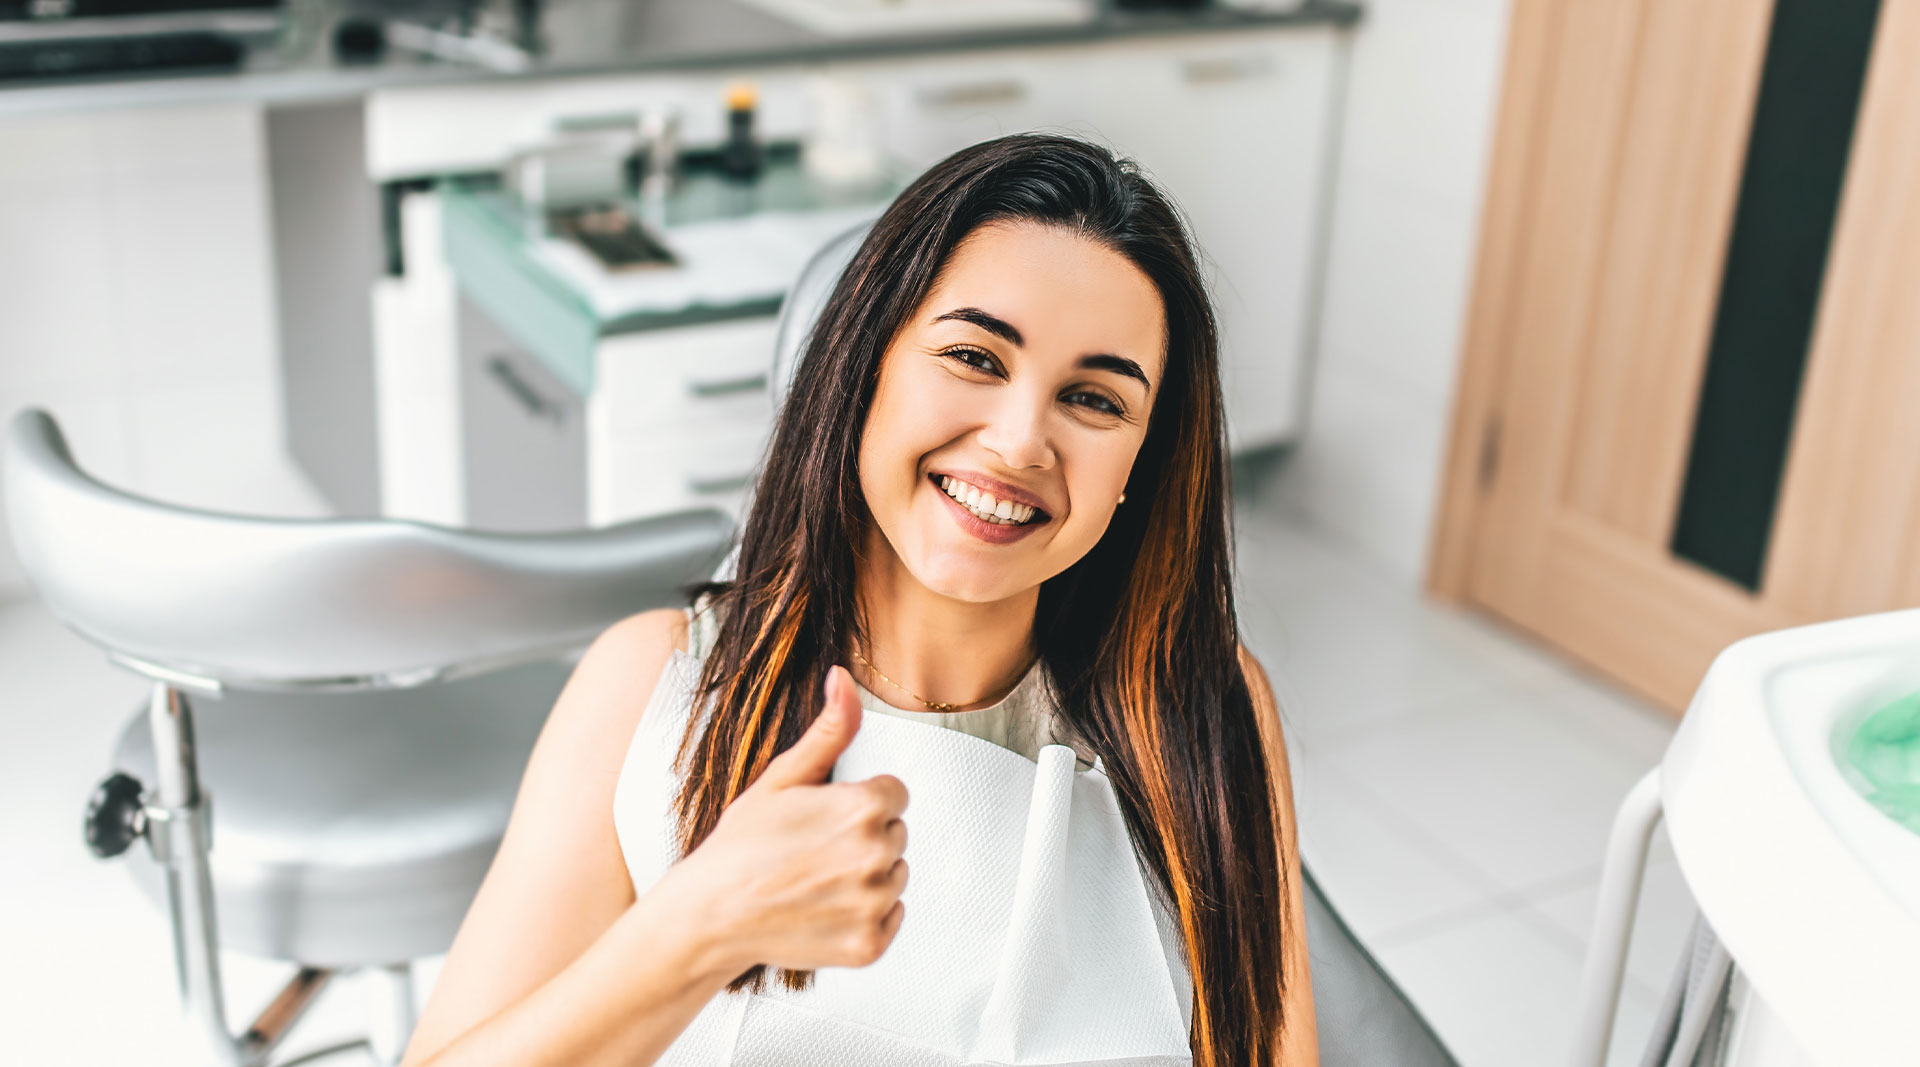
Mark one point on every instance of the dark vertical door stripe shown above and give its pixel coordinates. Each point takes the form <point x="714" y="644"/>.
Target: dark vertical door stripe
<point x="1796" y="164"/>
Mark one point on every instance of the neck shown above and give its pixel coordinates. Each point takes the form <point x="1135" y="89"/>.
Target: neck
<point x="949" y="651"/>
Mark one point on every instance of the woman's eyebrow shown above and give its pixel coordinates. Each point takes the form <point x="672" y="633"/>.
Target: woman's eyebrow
<point x="1116" y="364"/>
<point x="1005" y="330"/>
<point x="993" y="324"/>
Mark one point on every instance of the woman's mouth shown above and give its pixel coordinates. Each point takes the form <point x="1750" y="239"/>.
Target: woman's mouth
<point x="986" y="516"/>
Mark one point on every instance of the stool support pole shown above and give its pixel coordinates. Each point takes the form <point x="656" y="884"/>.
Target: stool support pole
<point x="390" y="1011"/>
<point x="181" y="839"/>
<point x="180" y="833"/>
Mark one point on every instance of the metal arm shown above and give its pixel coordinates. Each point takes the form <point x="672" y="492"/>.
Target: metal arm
<point x="1620" y="879"/>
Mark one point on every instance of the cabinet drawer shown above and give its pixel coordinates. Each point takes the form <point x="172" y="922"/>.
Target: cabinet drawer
<point x="523" y="435"/>
<point x="933" y="106"/>
<point x="666" y="382"/>
<point x="713" y="469"/>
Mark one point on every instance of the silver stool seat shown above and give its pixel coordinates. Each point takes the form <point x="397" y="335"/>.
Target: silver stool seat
<point x="335" y="844"/>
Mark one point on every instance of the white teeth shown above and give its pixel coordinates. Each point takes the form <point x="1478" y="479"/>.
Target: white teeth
<point x="984" y="505"/>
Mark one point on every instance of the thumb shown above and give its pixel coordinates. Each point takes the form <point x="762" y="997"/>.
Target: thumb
<point x="811" y="758"/>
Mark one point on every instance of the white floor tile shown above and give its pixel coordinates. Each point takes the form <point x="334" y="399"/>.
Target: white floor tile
<point x="1665" y="914"/>
<point x="1383" y="881"/>
<point x="1606" y="714"/>
<point x="1344" y="659"/>
<point x="1500" y="991"/>
<point x="1515" y="794"/>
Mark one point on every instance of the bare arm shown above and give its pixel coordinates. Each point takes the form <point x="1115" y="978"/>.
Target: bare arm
<point x="558" y="963"/>
<point x="555" y="962"/>
<point x="1299" y="1037"/>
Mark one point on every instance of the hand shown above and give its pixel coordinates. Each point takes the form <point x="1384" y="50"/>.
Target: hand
<point x="801" y="873"/>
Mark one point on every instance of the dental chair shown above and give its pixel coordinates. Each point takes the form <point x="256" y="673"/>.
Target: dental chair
<point x="361" y="696"/>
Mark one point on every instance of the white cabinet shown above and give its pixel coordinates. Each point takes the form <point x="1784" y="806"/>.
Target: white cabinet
<point x="1237" y="126"/>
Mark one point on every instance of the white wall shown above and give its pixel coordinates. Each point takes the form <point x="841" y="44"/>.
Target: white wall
<point x="136" y="302"/>
<point x="1419" y="126"/>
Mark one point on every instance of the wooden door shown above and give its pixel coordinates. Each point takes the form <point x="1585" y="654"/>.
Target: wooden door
<point x="1614" y="306"/>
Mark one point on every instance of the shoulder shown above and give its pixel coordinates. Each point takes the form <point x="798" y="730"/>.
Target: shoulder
<point x="614" y="680"/>
<point x="1266" y="710"/>
<point x="652" y="635"/>
<point x="1258" y="685"/>
<point x="1267" y="714"/>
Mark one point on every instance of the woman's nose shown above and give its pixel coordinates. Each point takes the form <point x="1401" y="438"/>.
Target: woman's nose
<point x="1016" y="431"/>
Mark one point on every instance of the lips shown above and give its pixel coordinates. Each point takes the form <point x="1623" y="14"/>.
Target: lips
<point x="999" y="529"/>
<point x="990" y="486"/>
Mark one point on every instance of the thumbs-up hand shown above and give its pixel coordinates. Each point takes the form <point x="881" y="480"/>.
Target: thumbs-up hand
<point x="800" y="873"/>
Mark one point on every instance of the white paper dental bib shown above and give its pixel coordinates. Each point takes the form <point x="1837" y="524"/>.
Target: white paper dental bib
<point x="1029" y="937"/>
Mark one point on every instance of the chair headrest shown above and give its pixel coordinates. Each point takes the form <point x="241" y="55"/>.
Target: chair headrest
<point x="316" y="603"/>
<point x="802" y="307"/>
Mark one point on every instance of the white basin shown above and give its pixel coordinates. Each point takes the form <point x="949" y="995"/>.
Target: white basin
<point x="1814" y="891"/>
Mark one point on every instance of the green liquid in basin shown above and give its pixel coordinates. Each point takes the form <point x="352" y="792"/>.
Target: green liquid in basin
<point x="1880" y="756"/>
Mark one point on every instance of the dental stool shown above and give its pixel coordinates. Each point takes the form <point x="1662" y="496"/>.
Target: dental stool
<point x="340" y="714"/>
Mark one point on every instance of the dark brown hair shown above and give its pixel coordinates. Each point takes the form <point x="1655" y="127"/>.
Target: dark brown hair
<point x="1138" y="635"/>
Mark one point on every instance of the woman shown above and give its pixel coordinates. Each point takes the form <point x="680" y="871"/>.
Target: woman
<point x="995" y="502"/>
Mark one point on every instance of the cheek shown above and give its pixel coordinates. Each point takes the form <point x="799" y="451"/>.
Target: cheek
<point x="911" y="416"/>
<point x="902" y="425"/>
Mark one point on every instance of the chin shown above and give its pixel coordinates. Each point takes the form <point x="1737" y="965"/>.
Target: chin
<point x="972" y="581"/>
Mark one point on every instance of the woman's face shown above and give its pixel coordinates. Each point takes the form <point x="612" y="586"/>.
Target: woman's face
<point x="1009" y="410"/>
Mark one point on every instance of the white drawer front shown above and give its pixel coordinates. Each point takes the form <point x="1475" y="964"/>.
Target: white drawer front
<point x="654" y="476"/>
<point x="667" y="382"/>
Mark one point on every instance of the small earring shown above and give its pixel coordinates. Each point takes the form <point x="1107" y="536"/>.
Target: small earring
<point x="1123" y="498"/>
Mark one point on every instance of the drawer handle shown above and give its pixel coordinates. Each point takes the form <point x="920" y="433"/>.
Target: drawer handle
<point x="975" y="94"/>
<point x="501" y="370"/>
<point x="751" y="383"/>
<point x="724" y="483"/>
<point x="1220" y="70"/>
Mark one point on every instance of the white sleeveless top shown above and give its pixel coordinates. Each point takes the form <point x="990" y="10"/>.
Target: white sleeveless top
<point x="1032" y="935"/>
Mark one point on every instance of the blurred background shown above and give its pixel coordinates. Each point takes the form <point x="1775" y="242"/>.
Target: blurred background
<point x="1565" y="343"/>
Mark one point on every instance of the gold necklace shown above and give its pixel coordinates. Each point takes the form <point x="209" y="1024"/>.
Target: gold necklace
<point x="932" y="705"/>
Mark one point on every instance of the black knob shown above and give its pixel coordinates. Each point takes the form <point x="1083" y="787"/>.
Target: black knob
<point x="359" y="40"/>
<point x="115" y="818"/>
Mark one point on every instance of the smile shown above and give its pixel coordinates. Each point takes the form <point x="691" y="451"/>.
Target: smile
<point x="985" y="506"/>
<point x="985" y="517"/>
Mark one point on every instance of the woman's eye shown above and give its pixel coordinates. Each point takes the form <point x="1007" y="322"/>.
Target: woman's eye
<point x="975" y="358"/>
<point x="1097" y="402"/>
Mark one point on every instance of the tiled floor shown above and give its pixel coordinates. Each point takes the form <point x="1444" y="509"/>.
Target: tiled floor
<point x="1454" y="789"/>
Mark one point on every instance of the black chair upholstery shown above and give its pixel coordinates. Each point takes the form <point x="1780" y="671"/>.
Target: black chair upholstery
<point x="1363" y="1017"/>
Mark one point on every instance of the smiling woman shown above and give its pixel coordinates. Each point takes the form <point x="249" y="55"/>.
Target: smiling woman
<point x="997" y="495"/>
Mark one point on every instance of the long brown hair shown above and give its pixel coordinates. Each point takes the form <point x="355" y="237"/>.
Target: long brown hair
<point x="1138" y="635"/>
